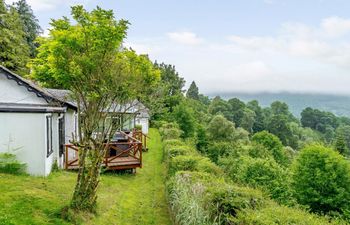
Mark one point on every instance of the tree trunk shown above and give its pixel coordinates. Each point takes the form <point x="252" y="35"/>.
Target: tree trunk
<point x="85" y="191"/>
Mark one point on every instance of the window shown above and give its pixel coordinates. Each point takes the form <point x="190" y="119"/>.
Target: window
<point x="116" y="121"/>
<point x="49" y="149"/>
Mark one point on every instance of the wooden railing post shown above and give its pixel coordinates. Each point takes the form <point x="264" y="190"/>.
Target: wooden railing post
<point x="140" y="150"/>
<point x="66" y="157"/>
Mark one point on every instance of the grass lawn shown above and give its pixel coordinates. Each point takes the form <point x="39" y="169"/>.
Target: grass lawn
<point x="122" y="198"/>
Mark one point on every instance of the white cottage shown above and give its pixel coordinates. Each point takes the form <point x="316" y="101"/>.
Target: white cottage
<point x="133" y="114"/>
<point x="34" y="122"/>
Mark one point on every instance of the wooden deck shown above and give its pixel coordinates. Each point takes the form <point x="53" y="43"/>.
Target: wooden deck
<point x="114" y="163"/>
<point x="121" y="155"/>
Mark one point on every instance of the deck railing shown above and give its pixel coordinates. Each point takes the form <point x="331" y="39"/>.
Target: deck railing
<point x="117" y="151"/>
<point x="137" y="134"/>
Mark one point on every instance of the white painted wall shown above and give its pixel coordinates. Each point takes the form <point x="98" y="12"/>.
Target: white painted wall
<point x="25" y="132"/>
<point x="144" y="123"/>
<point x="71" y="126"/>
<point x="10" y="92"/>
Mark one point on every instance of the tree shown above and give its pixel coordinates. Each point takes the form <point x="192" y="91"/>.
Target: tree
<point x="204" y="99"/>
<point x="170" y="77"/>
<point x="273" y="144"/>
<point x="201" y="139"/>
<point x="344" y="130"/>
<point x="279" y="108"/>
<point x="259" y="122"/>
<point x="221" y="149"/>
<point x="318" y="120"/>
<point x="268" y="175"/>
<point x="321" y="179"/>
<point x="183" y="115"/>
<point x="279" y="126"/>
<point x="247" y="120"/>
<point x="14" y="51"/>
<point x="220" y="129"/>
<point x="308" y="136"/>
<point x="170" y="91"/>
<point x="193" y="91"/>
<point x="237" y="108"/>
<point x="30" y="24"/>
<point x="220" y="106"/>
<point x="87" y="57"/>
<point x="340" y="144"/>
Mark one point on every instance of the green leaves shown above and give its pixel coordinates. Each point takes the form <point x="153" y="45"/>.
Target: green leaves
<point x="14" y="50"/>
<point x="321" y="179"/>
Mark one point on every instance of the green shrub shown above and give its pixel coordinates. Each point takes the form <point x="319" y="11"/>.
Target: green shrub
<point x="259" y="151"/>
<point x="321" y="179"/>
<point x="171" y="133"/>
<point x="184" y="116"/>
<point x="10" y="164"/>
<point x="138" y="127"/>
<point x="182" y="162"/>
<point x="192" y="163"/>
<point x="265" y="174"/>
<point x="224" y="201"/>
<point x="219" y="149"/>
<point x="198" y="196"/>
<point x="201" y="198"/>
<point x="201" y="139"/>
<point x="274" y="214"/>
<point x="168" y="125"/>
<point x="172" y="142"/>
<point x="205" y="165"/>
<point x="55" y="167"/>
<point x="269" y="176"/>
<point x="158" y="123"/>
<point x="273" y="144"/>
<point x="174" y="151"/>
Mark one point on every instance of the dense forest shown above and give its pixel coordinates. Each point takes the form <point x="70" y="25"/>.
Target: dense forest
<point x="337" y="104"/>
<point x="299" y="163"/>
<point x="228" y="161"/>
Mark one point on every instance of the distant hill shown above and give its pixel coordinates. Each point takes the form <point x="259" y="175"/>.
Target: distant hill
<point x="337" y="104"/>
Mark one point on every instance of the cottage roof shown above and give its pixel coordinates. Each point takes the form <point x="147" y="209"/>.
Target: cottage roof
<point x="62" y="95"/>
<point x="51" y="99"/>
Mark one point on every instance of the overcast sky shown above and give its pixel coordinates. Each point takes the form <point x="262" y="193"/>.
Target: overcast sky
<point x="227" y="45"/>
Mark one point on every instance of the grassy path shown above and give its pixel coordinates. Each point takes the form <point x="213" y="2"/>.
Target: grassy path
<point x="139" y="198"/>
<point x="122" y="199"/>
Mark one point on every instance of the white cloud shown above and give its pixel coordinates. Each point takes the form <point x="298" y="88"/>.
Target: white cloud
<point x="298" y="58"/>
<point x="187" y="38"/>
<point x="336" y="26"/>
<point x="255" y="42"/>
<point x="326" y="43"/>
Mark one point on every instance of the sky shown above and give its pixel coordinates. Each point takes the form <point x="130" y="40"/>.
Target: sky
<point x="236" y="45"/>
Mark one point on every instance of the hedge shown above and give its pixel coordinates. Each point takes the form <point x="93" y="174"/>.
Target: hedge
<point x="199" y="193"/>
